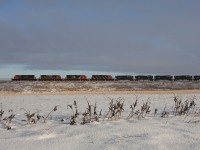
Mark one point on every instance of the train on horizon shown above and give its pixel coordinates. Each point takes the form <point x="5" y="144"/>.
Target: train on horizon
<point x="106" y="78"/>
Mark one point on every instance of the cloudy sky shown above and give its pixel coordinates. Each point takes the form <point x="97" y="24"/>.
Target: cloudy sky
<point x="99" y="36"/>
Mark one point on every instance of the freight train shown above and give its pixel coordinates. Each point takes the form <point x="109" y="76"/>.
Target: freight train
<point x="106" y="78"/>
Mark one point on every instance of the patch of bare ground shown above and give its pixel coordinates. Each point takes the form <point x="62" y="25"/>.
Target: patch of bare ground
<point x="95" y="87"/>
<point x="101" y="92"/>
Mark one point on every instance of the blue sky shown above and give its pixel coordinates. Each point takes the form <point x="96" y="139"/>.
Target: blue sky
<point x="100" y="37"/>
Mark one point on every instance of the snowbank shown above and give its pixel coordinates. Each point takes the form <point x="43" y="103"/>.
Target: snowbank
<point x="146" y="133"/>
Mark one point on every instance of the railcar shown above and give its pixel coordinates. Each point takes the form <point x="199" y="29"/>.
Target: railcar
<point x="163" y="78"/>
<point x="196" y="78"/>
<point x="50" y="78"/>
<point x="124" y="77"/>
<point x="102" y="78"/>
<point x="143" y="77"/>
<point x="183" y="77"/>
<point x="75" y="78"/>
<point x="24" y="78"/>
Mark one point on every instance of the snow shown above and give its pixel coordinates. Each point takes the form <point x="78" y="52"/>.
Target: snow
<point x="175" y="132"/>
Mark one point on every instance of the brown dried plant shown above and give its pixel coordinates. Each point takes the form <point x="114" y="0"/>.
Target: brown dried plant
<point x="90" y="114"/>
<point x="145" y="109"/>
<point x="1" y="112"/>
<point x="54" y="109"/>
<point x="31" y="118"/>
<point x="74" y="113"/>
<point x="115" y="109"/>
<point x="9" y="119"/>
<point x="133" y="112"/>
<point x="183" y="108"/>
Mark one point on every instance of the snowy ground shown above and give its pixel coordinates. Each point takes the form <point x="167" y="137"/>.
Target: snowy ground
<point x="175" y="132"/>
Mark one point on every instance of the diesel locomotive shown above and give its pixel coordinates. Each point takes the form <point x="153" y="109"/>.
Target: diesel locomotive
<point x="183" y="77"/>
<point x="102" y="78"/>
<point x="24" y="78"/>
<point x="75" y="78"/>
<point x="163" y="77"/>
<point x="142" y="77"/>
<point x="50" y="78"/>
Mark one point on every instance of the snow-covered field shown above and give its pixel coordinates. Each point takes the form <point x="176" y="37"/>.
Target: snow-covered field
<point x="151" y="132"/>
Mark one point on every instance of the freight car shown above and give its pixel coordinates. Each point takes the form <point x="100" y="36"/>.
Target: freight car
<point x="50" y="78"/>
<point x="143" y="77"/>
<point x="124" y="77"/>
<point x="183" y="77"/>
<point x="102" y="78"/>
<point x="75" y="78"/>
<point x="24" y="78"/>
<point x="197" y="77"/>
<point x="163" y="77"/>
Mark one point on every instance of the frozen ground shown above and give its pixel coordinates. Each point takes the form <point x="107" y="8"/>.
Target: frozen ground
<point x="52" y="87"/>
<point x="175" y="132"/>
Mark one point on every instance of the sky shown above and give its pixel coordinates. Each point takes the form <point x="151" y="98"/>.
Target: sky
<point x="99" y="37"/>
